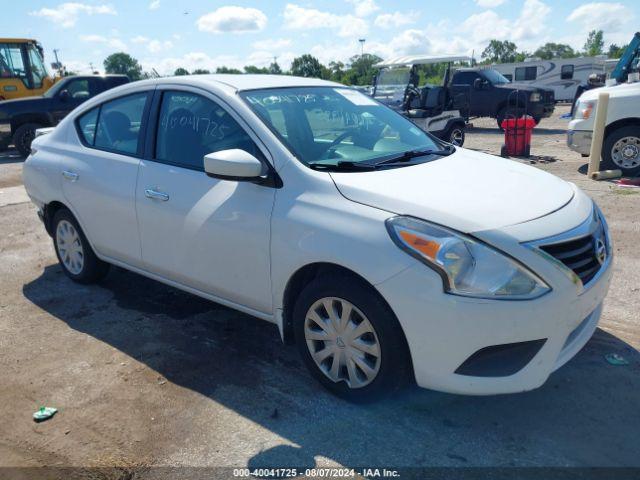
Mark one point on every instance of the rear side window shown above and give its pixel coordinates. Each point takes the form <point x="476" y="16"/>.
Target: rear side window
<point x="87" y="125"/>
<point x="465" y="78"/>
<point x="191" y="126"/>
<point x="119" y="124"/>
<point x="566" y="72"/>
<point x="526" y="73"/>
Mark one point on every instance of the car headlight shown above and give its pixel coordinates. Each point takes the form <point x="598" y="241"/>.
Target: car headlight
<point x="535" y="97"/>
<point x="467" y="267"/>
<point x="583" y="110"/>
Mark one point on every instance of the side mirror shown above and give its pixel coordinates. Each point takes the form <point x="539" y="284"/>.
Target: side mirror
<point x="64" y="95"/>
<point x="234" y="164"/>
<point x="477" y="84"/>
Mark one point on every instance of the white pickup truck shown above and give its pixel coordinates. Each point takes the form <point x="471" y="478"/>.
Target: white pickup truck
<point x="621" y="147"/>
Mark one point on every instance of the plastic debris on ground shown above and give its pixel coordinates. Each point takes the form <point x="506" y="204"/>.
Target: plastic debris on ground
<point x="615" y="359"/>
<point x="628" y="182"/>
<point x="566" y="116"/>
<point x="44" y="413"/>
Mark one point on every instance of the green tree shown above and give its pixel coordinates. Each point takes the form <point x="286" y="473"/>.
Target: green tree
<point x="555" y="50"/>
<point x="615" y="51"/>
<point x="200" y="71"/>
<point x="500" y="52"/>
<point x="275" y="69"/>
<point x="361" y="69"/>
<point x="336" y="71"/>
<point x="254" y="69"/>
<point x="594" y="44"/>
<point x="122" y="63"/>
<point x="308" y="66"/>
<point x="181" y="71"/>
<point x="224" y="69"/>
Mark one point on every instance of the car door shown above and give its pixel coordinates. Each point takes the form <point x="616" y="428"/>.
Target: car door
<point x="99" y="175"/>
<point x="206" y="233"/>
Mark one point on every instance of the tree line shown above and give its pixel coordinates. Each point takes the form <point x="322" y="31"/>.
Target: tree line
<point x="360" y="70"/>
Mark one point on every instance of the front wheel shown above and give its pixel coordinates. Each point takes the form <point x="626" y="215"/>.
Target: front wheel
<point x="349" y="339"/>
<point x="77" y="258"/>
<point x="621" y="150"/>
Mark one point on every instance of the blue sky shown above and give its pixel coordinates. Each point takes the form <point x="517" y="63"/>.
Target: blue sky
<point x="165" y="34"/>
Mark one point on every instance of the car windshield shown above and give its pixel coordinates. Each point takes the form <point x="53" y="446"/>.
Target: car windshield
<point x="334" y="126"/>
<point x="495" y="76"/>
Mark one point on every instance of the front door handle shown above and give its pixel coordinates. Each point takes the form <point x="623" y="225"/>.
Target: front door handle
<point x="70" y="175"/>
<point x="154" y="195"/>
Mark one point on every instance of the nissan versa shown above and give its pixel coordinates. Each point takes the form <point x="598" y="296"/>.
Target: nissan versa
<point x="385" y="254"/>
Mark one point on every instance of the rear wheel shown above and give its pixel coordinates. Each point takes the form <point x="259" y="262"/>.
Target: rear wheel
<point x="77" y="258"/>
<point x="349" y="339"/>
<point x="455" y="135"/>
<point x="23" y="137"/>
<point x="621" y="150"/>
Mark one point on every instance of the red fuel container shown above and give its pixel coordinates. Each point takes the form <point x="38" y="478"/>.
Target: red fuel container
<point x="517" y="136"/>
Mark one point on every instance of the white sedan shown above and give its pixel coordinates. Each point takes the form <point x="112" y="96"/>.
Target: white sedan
<point x="385" y="254"/>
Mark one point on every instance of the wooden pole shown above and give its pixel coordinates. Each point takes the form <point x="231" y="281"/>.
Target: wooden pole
<point x="599" y="121"/>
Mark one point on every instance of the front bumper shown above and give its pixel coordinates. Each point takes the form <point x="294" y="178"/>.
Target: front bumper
<point x="579" y="141"/>
<point x="443" y="331"/>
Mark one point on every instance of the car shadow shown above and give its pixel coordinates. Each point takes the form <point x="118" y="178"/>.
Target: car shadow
<point x="586" y="413"/>
<point x="10" y="156"/>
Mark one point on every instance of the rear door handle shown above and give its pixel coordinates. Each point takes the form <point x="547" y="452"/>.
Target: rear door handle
<point x="70" y="175"/>
<point x="154" y="195"/>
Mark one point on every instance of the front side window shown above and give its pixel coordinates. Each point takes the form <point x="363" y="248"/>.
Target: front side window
<point x="11" y="62"/>
<point x="191" y="126"/>
<point x="119" y="124"/>
<point x="465" y="78"/>
<point x="329" y="126"/>
<point x="78" y="89"/>
<point x="566" y="72"/>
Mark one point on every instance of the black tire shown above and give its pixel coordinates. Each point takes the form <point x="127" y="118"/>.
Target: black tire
<point x="23" y="137"/>
<point x="93" y="269"/>
<point x="500" y="116"/>
<point x="610" y="141"/>
<point x="509" y="112"/>
<point x="394" y="365"/>
<point x="456" y="131"/>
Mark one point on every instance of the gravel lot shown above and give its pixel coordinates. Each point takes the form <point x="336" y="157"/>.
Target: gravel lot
<point x="144" y="374"/>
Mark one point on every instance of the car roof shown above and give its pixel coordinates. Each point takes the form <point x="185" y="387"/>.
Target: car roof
<point x="243" y="81"/>
<point x="421" y="60"/>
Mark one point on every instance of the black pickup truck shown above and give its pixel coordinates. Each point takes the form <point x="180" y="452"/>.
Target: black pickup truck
<point x="486" y="93"/>
<point x="20" y="118"/>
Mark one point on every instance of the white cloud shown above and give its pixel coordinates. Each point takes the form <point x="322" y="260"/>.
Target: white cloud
<point x="272" y="44"/>
<point x="154" y="5"/>
<point x="395" y="19"/>
<point x="66" y="14"/>
<point x="157" y="46"/>
<point x="601" y="16"/>
<point x="489" y="3"/>
<point x="114" y="43"/>
<point x="231" y="19"/>
<point x="364" y="8"/>
<point x="300" y="18"/>
<point x="139" y="39"/>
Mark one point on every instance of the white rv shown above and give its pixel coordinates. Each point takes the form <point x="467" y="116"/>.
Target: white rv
<point x="563" y="75"/>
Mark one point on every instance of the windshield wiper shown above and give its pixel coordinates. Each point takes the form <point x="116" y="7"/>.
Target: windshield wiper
<point x="408" y="155"/>
<point x="342" y="165"/>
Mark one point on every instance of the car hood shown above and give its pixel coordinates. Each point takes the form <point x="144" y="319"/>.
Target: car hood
<point x="527" y="87"/>
<point x="468" y="191"/>
<point x="27" y="104"/>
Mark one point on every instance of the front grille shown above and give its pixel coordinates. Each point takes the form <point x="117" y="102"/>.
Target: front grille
<point x="579" y="254"/>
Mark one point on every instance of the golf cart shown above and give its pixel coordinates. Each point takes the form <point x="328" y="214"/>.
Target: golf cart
<point x="430" y="107"/>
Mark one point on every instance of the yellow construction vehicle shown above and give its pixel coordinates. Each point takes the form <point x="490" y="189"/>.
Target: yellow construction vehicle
<point x="22" y="69"/>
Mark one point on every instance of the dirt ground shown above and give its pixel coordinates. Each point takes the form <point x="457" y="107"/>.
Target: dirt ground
<point x="143" y="374"/>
